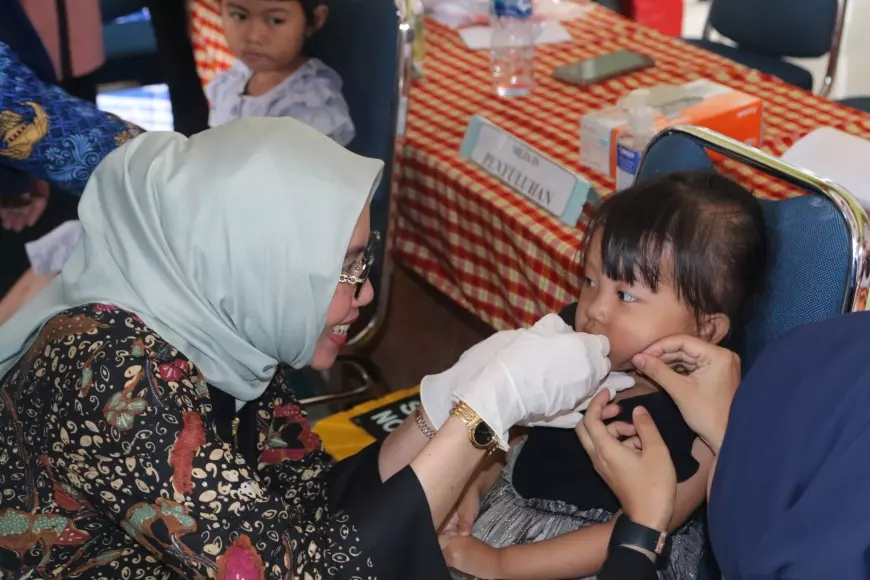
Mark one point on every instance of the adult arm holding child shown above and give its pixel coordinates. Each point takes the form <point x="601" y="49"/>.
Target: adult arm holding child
<point x="704" y="387"/>
<point x="635" y="469"/>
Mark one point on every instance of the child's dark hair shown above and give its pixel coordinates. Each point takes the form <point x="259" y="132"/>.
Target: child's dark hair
<point x="708" y="225"/>
<point x="308" y="8"/>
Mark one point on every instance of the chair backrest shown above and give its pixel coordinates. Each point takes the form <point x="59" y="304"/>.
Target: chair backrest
<point x="797" y="28"/>
<point x="816" y="241"/>
<point x="368" y="43"/>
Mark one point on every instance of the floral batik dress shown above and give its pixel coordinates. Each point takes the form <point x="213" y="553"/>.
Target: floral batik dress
<point x="114" y="464"/>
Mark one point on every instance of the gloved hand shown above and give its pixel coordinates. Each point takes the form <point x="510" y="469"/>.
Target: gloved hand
<point x="436" y="394"/>
<point x="518" y="374"/>
<point x="436" y="391"/>
<point x="615" y="383"/>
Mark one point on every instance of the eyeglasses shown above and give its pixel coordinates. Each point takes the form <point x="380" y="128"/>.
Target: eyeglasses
<point x="359" y="271"/>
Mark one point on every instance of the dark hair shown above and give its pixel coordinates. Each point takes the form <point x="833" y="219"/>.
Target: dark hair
<point x="308" y="8"/>
<point x="708" y="226"/>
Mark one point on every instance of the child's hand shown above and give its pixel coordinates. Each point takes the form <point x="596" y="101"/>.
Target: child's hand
<point x="641" y="473"/>
<point x="462" y="518"/>
<point x="470" y="555"/>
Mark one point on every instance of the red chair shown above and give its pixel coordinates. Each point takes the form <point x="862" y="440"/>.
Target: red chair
<point x="666" y="16"/>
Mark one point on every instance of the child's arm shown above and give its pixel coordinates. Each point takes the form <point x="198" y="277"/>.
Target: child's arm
<point x="573" y="555"/>
<point x="461" y="519"/>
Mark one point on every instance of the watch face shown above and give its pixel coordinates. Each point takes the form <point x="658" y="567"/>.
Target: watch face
<point x="483" y="435"/>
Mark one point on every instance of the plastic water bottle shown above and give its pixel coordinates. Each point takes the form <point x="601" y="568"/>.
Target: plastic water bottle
<point x="513" y="47"/>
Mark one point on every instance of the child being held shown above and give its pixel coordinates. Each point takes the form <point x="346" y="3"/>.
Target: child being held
<point x="273" y="77"/>
<point x="682" y="254"/>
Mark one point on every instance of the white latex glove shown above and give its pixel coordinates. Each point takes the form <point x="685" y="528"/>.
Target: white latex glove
<point x="436" y="391"/>
<point x="519" y="374"/>
<point x="615" y="383"/>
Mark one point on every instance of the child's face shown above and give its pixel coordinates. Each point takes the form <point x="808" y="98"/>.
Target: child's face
<point x="631" y="316"/>
<point x="267" y="35"/>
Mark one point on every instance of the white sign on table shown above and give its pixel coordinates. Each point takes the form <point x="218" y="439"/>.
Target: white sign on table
<point x="526" y="170"/>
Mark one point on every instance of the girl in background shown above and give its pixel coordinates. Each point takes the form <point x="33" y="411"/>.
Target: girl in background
<point x="273" y="77"/>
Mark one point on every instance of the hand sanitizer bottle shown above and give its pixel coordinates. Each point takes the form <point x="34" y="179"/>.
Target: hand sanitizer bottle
<point x="630" y="144"/>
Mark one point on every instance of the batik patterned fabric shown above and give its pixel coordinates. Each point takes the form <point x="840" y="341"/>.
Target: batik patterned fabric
<point x="111" y="467"/>
<point x="48" y="134"/>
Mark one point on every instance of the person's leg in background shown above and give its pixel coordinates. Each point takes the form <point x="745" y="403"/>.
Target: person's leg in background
<point x="175" y="53"/>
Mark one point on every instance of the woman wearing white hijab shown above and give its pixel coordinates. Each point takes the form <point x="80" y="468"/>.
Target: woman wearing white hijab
<point x="204" y="264"/>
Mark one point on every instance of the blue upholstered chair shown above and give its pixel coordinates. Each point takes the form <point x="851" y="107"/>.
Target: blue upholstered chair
<point x="817" y="251"/>
<point x="860" y="103"/>
<point x="767" y="31"/>
<point x="368" y="42"/>
<point x="816" y="241"/>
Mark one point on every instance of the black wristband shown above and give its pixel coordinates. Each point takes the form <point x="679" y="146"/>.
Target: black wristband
<point x="628" y="533"/>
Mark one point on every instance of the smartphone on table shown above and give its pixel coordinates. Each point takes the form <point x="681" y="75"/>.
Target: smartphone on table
<point x="601" y="68"/>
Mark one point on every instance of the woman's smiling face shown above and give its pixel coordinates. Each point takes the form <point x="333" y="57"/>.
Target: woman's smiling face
<point x="344" y="308"/>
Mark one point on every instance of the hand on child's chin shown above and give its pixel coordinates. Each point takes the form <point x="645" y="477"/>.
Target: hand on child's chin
<point x="471" y="556"/>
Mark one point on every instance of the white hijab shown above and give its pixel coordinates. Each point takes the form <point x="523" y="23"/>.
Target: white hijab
<point x="229" y="245"/>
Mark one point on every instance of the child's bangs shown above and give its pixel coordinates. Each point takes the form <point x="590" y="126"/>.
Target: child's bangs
<point x="700" y="233"/>
<point x="638" y="229"/>
<point x="635" y="246"/>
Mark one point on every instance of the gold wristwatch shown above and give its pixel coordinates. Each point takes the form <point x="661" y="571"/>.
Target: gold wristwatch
<point x="480" y="434"/>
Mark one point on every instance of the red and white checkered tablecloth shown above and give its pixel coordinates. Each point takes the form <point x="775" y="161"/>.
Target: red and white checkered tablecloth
<point x="474" y="239"/>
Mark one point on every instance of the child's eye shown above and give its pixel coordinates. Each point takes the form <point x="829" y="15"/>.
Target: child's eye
<point x="238" y="16"/>
<point x="589" y="282"/>
<point x="625" y="296"/>
<point x="275" y="21"/>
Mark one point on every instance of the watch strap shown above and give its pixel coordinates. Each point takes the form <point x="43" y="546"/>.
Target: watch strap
<point x="472" y="420"/>
<point x="629" y="533"/>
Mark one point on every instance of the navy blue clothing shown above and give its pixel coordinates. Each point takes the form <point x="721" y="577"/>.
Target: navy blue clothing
<point x="791" y="494"/>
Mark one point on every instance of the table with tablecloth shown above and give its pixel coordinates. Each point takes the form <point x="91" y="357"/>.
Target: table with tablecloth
<point x="490" y="250"/>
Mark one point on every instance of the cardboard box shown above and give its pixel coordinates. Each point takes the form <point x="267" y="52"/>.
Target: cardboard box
<point x="702" y="103"/>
